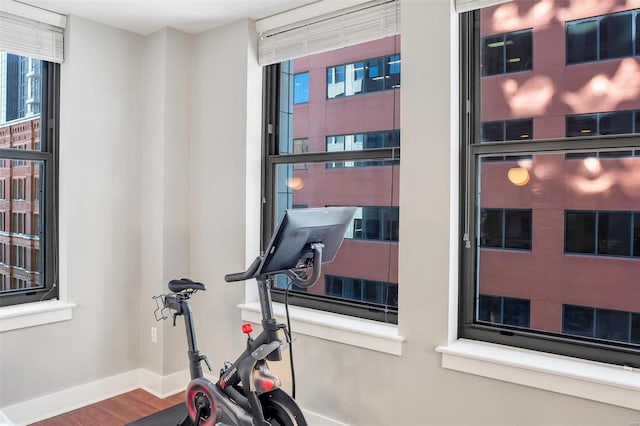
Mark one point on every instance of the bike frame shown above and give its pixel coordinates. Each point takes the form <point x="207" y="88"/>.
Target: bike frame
<point x="265" y="346"/>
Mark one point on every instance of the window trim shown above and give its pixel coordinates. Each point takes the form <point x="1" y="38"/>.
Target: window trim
<point x="471" y="151"/>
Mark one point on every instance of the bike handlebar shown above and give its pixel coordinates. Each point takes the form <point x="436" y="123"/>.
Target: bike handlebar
<point x="249" y="273"/>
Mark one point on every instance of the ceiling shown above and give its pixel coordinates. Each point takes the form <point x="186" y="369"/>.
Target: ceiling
<point x="189" y="16"/>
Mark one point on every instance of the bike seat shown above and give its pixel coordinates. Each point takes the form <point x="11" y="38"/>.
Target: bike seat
<point x="176" y="286"/>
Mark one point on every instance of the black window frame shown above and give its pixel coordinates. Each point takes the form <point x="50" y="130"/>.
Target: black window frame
<point x="49" y="156"/>
<point x="472" y="152"/>
<point x="272" y="158"/>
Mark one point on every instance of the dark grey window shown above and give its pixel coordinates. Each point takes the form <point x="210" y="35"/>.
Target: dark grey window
<point x="601" y="233"/>
<point x="376" y="292"/>
<point x="505" y="228"/>
<point x="602" y="37"/>
<point x="504" y="310"/>
<point x="507" y="130"/>
<point x="605" y="324"/>
<point x="375" y="223"/>
<point x="602" y="123"/>
<point x="507" y="53"/>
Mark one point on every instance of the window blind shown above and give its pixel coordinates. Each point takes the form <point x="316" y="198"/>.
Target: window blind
<point x="467" y="5"/>
<point x="357" y="24"/>
<point x="28" y="37"/>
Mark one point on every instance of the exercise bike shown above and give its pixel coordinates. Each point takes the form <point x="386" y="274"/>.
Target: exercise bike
<point x="247" y="393"/>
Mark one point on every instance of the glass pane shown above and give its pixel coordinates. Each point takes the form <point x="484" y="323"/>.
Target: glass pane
<point x="519" y="56"/>
<point x="490" y="309"/>
<point x="545" y="240"/>
<point x="20" y="102"/>
<point x="516" y="312"/>
<point x="578" y="320"/>
<point x="492" y="131"/>
<point x="519" y="130"/>
<point x="491" y="227"/>
<point x="301" y="88"/>
<point x="517" y="229"/>
<point x="636" y="235"/>
<point x="366" y="267"/>
<point x="616" y="36"/>
<point x="616" y="123"/>
<point x="614" y="233"/>
<point x="493" y="55"/>
<point x="635" y="328"/>
<point x="21" y="227"/>
<point x="582" y="125"/>
<point x="580" y="231"/>
<point x="612" y="325"/>
<point x="637" y="33"/>
<point x="582" y="42"/>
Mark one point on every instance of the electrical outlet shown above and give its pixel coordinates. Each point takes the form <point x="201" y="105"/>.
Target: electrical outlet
<point x="154" y="334"/>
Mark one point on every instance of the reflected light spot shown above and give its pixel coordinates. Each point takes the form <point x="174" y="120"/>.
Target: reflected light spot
<point x="295" y="183"/>
<point x="599" y="84"/>
<point x="525" y="164"/>
<point x="518" y="176"/>
<point x="595" y="186"/>
<point x="531" y="97"/>
<point x="592" y="165"/>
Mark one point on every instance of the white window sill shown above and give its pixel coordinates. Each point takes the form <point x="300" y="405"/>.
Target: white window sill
<point x="605" y="383"/>
<point x="32" y="314"/>
<point x="338" y="328"/>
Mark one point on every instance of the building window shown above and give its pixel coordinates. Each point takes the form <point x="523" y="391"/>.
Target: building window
<point x="507" y="130"/>
<point x="554" y="222"/>
<point x="301" y="88"/>
<point x="605" y="324"/>
<point x="29" y="88"/>
<point x="375" y="223"/>
<point x="359" y="142"/>
<point x="601" y="233"/>
<point x="371" y="75"/>
<point x="323" y="155"/>
<point x="603" y="37"/>
<point x="504" y="310"/>
<point x="507" y="53"/>
<point x="19" y="185"/>
<point x="377" y="292"/>
<point x="505" y="228"/>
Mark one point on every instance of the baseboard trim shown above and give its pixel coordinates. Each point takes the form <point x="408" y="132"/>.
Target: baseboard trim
<point x="34" y="410"/>
<point x="315" y="419"/>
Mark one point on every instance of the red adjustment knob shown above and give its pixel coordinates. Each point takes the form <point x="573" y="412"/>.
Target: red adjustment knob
<point x="247" y="328"/>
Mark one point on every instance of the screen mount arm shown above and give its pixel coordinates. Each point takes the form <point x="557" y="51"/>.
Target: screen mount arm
<point x="316" y="263"/>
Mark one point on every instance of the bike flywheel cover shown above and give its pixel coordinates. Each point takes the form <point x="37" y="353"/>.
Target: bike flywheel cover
<point x="200" y="397"/>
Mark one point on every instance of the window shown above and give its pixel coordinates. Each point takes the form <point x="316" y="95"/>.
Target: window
<point x="602" y="37"/>
<point x="600" y="233"/>
<point x="505" y="228"/>
<point x="504" y="310"/>
<point x="28" y="93"/>
<point x="507" y="130"/>
<point x="549" y="232"/>
<point x="350" y="156"/>
<point x="362" y="290"/>
<point x="301" y="88"/>
<point x="371" y="75"/>
<point x="605" y="324"/>
<point x="507" y="53"/>
<point x="359" y="142"/>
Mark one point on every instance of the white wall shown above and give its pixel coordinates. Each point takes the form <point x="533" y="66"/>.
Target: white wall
<point x="112" y="169"/>
<point x="100" y="258"/>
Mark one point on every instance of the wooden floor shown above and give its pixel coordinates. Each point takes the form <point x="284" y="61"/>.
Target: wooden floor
<point x="116" y="411"/>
